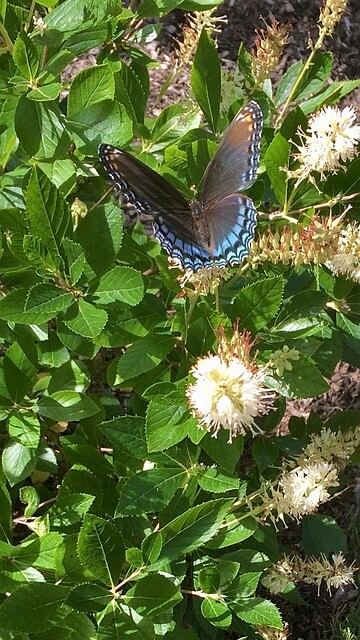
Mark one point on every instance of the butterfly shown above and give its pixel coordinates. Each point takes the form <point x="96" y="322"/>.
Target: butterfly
<point x="216" y="229"/>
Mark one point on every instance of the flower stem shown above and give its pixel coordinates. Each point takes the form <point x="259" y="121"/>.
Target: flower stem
<point x="318" y="44"/>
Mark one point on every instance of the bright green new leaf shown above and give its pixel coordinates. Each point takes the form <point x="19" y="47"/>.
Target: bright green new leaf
<point x="90" y="86"/>
<point x="258" y="611"/>
<point x="67" y="406"/>
<point x="216" y="612"/>
<point x="206" y="79"/>
<point x="26" y="56"/>
<point x="85" y="319"/>
<point x="18" y="462"/>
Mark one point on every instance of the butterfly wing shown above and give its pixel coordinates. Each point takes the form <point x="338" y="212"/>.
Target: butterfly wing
<point x="150" y="193"/>
<point x="145" y="189"/>
<point x="236" y="160"/>
<point x="232" y="221"/>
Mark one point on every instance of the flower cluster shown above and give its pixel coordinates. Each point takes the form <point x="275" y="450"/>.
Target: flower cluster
<point x="229" y="391"/>
<point x="203" y="281"/>
<point x="198" y="21"/>
<point x="346" y="260"/>
<point x="330" y="446"/>
<point x="269" y="47"/>
<point x="231" y="86"/>
<point x="330" y="141"/>
<point x="305" y="482"/>
<point x="330" y="14"/>
<point x="315" y="243"/>
<point x="300" y="491"/>
<point x="309" y="571"/>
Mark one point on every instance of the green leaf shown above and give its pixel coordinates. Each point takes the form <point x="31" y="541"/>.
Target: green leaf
<point x="68" y="510"/>
<point x="287" y="82"/>
<point x="144" y="355"/>
<point x="72" y="375"/>
<point x="234" y="533"/>
<point x="101" y="549"/>
<point x="47" y="212"/>
<point x="18" y="462"/>
<point x="100" y="235"/>
<point x="46" y="93"/>
<point x="128" y="434"/>
<point x="89" y="597"/>
<point x="300" y="312"/>
<point x="47" y="300"/>
<point x="32" y="608"/>
<point x="67" y="406"/>
<point x="26" y="56"/>
<point x="89" y="457"/>
<point x="121" y="283"/>
<point x="258" y="303"/>
<point x="19" y="372"/>
<point x="85" y="319"/>
<point x="24" y="427"/>
<point x="303" y="381"/>
<point x="30" y="497"/>
<point x="153" y="595"/>
<point x="322" y="534"/>
<point x="41" y="128"/>
<point x="90" y="86"/>
<point x="276" y="158"/>
<point x="218" y="481"/>
<point x="6" y="524"/>
<point x="219" y="450"/>
<point x="121" y="622"/>
<point x="156" y="8"/>
<point x="167" y="421"/>
<point x="216" y="612"/>
<point x="151" y="547"/>
<point x="75" y="258"/>
<point x="258" y="611"/>
<point x="192" y="529"/>
<point x="315" y="76"/>
<point x="149" y="491"/>
<point x="206" y="79"/>
<point x="51" y="352"/>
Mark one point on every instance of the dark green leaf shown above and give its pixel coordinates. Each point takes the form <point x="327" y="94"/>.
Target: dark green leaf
<point x="101" y="549"/>
<point x="32" y="608"/>
<point x="85" y="319"/>
<point x="321" y="534"/>
<point x="258" y="303"/>
<point x="149" y="491"/>
<point x="121" y="283"/>
<point x="153" y="595"/>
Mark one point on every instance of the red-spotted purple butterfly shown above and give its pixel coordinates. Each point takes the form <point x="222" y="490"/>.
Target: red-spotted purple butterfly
<point x="218" y="228"/>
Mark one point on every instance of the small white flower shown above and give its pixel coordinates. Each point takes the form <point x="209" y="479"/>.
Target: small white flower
<point x="346" y="261"/>
<point x="330" y="141"/>
<point x="301" y="490"/>
<point x="228" y="394"/>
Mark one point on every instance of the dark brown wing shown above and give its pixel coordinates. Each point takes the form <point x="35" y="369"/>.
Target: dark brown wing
<point x="235" y="163"/>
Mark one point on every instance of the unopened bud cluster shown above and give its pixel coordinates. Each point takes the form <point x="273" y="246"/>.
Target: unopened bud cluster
<point x="269" y="47"/>
<point x="315" y="243"/>
<point x="191" y="33"/>
<point x="331" y="14"/>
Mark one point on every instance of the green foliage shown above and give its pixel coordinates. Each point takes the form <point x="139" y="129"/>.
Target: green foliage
<point x="119" y="516"/>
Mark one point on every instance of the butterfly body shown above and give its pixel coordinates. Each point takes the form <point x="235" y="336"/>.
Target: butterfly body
<point x="218" y="227"/>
